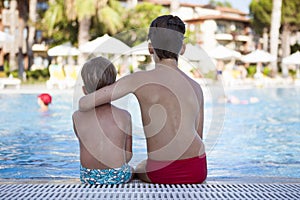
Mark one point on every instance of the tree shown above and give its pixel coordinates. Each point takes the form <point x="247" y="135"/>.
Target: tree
<point x="1" y="47"/>
<point x="137" y="21"/>
<point x="261" y="11"/>
<point x="56" y="25"/>
<point x="220" y="3"/>
<point x="80" y="15"/>
<point x="290" y="23"/>
<point x="31" y="29"/>
<point x="23" y="7"/>
<point x="274" y="33"/>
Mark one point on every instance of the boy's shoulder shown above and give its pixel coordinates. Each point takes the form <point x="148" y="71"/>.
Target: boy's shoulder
<point x="121" y="112"/>
<point x="75" y="114"/>
<point x="79" y="114"/>
<point x="138" y="75"/>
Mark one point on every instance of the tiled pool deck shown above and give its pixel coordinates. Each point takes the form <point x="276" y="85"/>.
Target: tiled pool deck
<point x="139" y="190"/>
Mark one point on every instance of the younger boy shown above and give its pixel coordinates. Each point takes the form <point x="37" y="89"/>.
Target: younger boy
<point x="104" y="133"/>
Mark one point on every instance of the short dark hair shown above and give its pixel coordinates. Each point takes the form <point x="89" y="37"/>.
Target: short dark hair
<point x="166" y="34"/>
<point x="97" y="73"/>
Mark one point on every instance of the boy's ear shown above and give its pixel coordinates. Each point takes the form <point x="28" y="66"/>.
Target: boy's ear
<point x="182" y="49"/>
<point x="84" y="90"/>
<point x="150" y="48"/>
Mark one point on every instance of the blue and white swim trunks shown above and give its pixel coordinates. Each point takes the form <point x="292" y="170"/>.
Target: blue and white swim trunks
<point x="106" y="176"/>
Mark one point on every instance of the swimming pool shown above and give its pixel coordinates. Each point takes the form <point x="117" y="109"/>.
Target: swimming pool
<point x="257" y="140"/>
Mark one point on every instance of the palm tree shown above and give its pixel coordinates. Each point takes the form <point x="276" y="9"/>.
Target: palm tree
<point x="23" y="18"/>
<point x="31" y="30"/>
<point x="1" y="29"/>
<point x="83" y="11"/>
<point x="13" y="27"/>
<point x="274" y="32"/>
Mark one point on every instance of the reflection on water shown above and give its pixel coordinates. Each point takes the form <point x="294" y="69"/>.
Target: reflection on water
<point x="260" y="139"/>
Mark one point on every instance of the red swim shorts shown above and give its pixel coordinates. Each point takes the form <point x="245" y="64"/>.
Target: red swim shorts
<point x="190" y="170"/>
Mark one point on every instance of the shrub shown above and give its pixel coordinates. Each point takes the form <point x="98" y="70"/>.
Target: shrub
<point x="251" y="70"/>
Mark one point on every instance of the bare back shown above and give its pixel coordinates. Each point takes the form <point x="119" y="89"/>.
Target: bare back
<point x="171" y="106"/>
<point x="104" y="135"/>
<point x="172" y="111"/>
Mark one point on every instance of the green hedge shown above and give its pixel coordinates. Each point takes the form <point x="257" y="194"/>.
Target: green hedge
<point x="252" y="70"/>
<point x="39" y="75"/>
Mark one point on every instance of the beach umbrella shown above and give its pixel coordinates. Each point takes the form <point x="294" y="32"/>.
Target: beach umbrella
<point x="223" y="53"/>
<point x="194" y="53"/>
<point x="198" y="57"/>
<point x="105" y="45"/>
<point x="89" y="47"/>
<point x="65" y="49"/>
<point x="258" y="56"/>
<point x="292" y="59"/>
<point x="140" y="49"/>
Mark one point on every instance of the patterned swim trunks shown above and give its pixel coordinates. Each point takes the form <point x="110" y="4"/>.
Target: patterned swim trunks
<point x="106" y="176"/>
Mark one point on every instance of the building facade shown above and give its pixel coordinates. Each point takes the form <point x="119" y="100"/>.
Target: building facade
<point x="212" y="25"/>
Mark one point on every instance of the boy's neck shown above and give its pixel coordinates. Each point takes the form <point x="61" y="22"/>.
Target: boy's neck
<point x="44" y="108"/>
<point x="167" y="63"/>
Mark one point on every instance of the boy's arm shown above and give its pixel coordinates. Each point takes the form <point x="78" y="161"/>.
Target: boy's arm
<point x="200" y="124"/>
<point x="109" y="93"/>
<point x="74" y="127"/>
<point x="128" y="146"/>
<point x="201" y="118"/>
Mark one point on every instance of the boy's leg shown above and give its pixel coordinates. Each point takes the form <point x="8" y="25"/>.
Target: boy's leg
<point x="141" y="171"/>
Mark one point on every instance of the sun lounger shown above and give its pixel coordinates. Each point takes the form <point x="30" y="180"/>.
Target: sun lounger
<point x="71" y="72"/>
<point x="62" y="76"/>
<point x="57" y="77"/>
<point x="10" y="81"/>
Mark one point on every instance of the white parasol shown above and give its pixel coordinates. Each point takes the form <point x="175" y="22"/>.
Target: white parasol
<point x="105" y="44"/>
<point x="140" y="49"/>
<point x="89" y="47"/>
<point x="197" y="55"/>
<point x="258" y="56"/>
<point x="223" y="53"/>
<point x="65" y="49"/>
<point x="292" y="59"/>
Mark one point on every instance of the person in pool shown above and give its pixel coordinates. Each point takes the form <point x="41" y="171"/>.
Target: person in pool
<point x="44" y="100"/>
<point x="104" y="133"/>
<point x="171" y="108"/>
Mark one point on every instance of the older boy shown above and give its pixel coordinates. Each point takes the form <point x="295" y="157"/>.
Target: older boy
<point x="104" y="133"/>
<point x="171" y="107"/>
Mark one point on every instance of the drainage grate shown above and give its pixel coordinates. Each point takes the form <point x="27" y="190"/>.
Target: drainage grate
<point x="139" y="190"/>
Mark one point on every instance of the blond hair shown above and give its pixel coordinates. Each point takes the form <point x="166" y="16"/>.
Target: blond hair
<point x="97" y="73"/>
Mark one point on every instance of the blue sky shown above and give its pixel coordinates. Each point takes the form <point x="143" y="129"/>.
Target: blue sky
<point x="242" y="5"/>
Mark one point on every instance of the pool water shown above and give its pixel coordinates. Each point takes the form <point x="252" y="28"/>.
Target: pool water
<point x="35" y="144"/>
<point x="260" y="139"/>
<point x="257" y="140"/>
